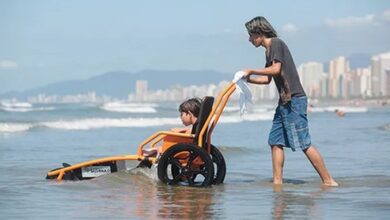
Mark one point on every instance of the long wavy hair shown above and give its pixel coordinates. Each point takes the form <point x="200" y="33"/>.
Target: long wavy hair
<point x="260" y="25"/>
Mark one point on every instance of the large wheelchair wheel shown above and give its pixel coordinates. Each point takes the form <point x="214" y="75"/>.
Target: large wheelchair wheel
<point x="219" y="165"/>
<point x="186" y="164"/>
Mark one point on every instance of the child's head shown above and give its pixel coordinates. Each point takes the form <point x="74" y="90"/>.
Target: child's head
<point x="260" y="26"/>
<point x="189" y="111"/>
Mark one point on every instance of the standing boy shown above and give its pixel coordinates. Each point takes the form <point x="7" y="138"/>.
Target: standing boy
<point x="290" y="125"/>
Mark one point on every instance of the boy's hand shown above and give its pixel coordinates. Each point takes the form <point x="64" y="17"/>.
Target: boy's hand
<point x="242" y="74"/>
<point x="248" y="72"/>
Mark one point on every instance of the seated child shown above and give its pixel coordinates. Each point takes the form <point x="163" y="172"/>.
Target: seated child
<point x="189" y="112"/>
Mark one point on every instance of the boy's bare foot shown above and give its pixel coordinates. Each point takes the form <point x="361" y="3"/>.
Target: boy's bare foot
<point x="331" y="183"/>
<point x="277" y="181"/>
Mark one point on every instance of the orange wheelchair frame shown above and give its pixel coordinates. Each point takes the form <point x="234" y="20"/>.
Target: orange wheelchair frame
<point x="183" y="159"/>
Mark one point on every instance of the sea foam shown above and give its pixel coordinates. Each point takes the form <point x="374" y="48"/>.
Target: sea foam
<point x="129" y="107"/>
<point x="99" y="123"/>
<point x="342" y="108"/>
<point x="22" y="107"/>
<point x="96" y="123"/>
<point x="14" y="127"/>
<point x="88" y="124"/>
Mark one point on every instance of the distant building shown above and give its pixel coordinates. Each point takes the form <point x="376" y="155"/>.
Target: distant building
<point x="338" y="67"/>
<point x="310" y="75"/>
<point x="363" y="76"/>
<point x="346" y="84"/>
<point x="387" y="71"/>
<point x="141" y="90"/>
<point x="324" y="85"/>
<point x="379" y="64"/>
<point x="375" y="80"/>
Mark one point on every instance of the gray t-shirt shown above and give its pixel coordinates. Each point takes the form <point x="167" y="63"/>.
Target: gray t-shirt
<point x="287" y="81"/>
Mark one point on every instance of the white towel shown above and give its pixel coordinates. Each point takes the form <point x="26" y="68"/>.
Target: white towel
<point x="243" y="88"/>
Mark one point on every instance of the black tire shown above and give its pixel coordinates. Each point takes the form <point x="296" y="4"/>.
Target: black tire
<point x="172" y="172"/>
<point x="219" y="165"/>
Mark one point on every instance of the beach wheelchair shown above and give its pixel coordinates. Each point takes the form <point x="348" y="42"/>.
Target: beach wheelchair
<point x="181" y="158"/>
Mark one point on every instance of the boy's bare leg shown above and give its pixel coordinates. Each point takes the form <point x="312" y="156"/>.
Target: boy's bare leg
<point x="277" y="164"/>
<point x="316" y="160"/>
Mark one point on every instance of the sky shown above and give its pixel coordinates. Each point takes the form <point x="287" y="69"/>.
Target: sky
<point x="45" y="41"/>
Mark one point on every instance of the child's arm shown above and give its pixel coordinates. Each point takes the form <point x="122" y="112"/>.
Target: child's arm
<point x="181" y="130"/>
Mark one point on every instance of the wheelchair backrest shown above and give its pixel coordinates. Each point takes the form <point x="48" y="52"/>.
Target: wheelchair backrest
<point x="204" y="112"/>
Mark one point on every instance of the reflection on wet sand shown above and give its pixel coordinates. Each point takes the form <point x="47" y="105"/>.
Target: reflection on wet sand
<point x="155" y="200"/>
<point x="139" y="195"/>
<point x="185" y="202"/>
<point x="295" y="203"/>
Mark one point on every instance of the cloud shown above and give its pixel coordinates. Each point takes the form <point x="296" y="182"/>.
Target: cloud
<point x="351" y="21"/>
<point x="289" y="28"/>
<point x="363" y="21"/>
<point x="8" y="64"/>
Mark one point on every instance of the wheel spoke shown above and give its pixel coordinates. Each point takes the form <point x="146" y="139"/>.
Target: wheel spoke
<point x="191" y="181"/>
<point x="175" y="162"/>
<point x="192" y="156"/>
<point x="176" y="178"/>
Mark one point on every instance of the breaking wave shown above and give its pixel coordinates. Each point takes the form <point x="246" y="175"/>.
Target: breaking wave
<point x="342" y="108"/>
<point x="129" y="107"/>
<point x="88" y="124"/>
<point x="230" y="109"/>
<point x="22" y="107"/>
<point x="98" y="123"/>
<point x="261" y="116"/>
<point x="14" y="127"/>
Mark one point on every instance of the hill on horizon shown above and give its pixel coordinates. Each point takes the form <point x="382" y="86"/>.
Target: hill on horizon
<point x="120" y="83"/>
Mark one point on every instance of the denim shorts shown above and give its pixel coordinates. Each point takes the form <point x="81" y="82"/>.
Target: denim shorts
<point x="289" y="126"/>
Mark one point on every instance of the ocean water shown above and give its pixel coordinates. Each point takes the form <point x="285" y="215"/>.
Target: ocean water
<point x="37" y="138"/>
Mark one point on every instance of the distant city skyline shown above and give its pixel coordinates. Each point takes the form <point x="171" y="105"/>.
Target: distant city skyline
<point x="342" y="82"/>
<point x="45" y="41"/>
